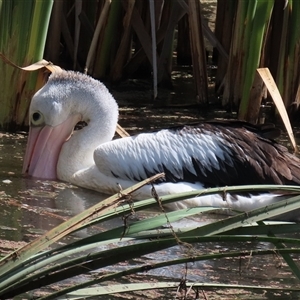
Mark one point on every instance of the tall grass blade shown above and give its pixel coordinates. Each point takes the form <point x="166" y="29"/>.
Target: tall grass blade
<point x="153" y="39"/>
<point x="275" y="94"/>
<point x="130" y="287"/>
<point x="105" y="51"/>
<point x="27" y="272"/>
<point x="194" y="256"/>
<point x="288" y="259"/>
<point x="15" y="258"/>
<point x="23" y="32"/>
<point x="258" y="18"/>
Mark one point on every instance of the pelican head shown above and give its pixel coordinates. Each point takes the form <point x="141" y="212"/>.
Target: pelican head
<point x="67" y="98"/>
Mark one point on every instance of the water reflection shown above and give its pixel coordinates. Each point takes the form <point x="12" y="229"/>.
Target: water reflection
<point x="39" y="206"/>
<point x="31" y="207"/>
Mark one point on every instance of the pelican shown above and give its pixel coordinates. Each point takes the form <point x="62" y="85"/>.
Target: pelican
<point x="208" y="154"/>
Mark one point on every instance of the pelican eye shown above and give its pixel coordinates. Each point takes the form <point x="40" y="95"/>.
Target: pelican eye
<point x="37" y="118"/>
<point x="80" y="125"/>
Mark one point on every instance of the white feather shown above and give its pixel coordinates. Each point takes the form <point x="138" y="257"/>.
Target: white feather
<point x="91" y="160"/>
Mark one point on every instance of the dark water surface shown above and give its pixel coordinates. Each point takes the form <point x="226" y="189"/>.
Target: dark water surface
<point x="28" y="208"/>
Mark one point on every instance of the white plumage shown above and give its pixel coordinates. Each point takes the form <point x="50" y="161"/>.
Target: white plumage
<point x="192" y="157"/>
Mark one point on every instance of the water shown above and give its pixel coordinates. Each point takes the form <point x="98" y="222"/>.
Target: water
<point x="31" y="207"/>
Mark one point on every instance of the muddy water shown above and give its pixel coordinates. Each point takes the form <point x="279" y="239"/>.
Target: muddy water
<point x="29" y="207"/>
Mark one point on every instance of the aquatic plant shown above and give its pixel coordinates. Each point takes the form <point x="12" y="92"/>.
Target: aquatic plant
<point x="23" y="32"/>
<point x="35" y="266"/>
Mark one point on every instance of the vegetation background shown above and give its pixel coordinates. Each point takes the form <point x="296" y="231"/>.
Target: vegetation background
<point x="115" y="40"/>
